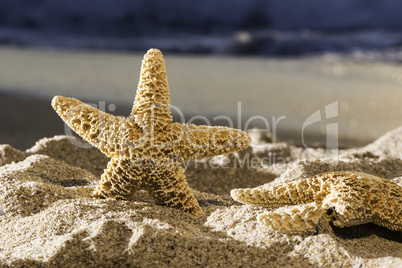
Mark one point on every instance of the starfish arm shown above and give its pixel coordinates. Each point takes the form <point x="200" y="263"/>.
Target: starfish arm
<point x="104" y="131"/>
<point x="360" y="198"/>
<point x="119" y="180"/>
<point x="390" y="214"/>
<point x="207" y="141"/>
<point x="151" y="106"/>
<point x="300" y="219"/>
<point x="292" y="193"/>
<point x="163" y="179"/>
<point x="169" y="187"/>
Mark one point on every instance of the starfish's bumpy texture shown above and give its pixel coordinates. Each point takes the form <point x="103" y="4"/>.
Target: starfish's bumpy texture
<point x="146" y="148"/>
<point x="344" y="198"/>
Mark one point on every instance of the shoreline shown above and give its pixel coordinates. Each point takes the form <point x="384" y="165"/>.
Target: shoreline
<point x="31" y="118"/>
<point x="367" y="93"/>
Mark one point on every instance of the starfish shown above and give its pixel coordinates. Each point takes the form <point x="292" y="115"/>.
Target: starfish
<point x="343" y="198"/>
<point x="146" y="149"/>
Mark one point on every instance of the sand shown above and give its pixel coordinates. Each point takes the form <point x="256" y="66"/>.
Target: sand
<point x="49" y="219"/>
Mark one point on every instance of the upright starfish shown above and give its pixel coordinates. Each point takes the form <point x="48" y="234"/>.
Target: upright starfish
<point x="345" y="198"/>
<point x="146" y="148"/>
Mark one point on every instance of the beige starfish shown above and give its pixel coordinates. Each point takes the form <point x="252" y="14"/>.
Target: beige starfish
<point x="146" y="148"/>
<point x="344" y="198"/>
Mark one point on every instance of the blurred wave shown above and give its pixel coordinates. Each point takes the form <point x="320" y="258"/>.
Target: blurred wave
<point x="361" y="28"/>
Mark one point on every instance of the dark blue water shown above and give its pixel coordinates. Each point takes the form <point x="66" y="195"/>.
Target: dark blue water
<point x="361" y="28"/>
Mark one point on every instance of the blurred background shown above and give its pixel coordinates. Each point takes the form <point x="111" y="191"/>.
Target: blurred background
<point x="240" y="59"/>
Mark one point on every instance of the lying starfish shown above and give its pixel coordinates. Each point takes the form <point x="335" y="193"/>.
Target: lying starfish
<point x="146" y="149"/>
<point x="344" y="198"/>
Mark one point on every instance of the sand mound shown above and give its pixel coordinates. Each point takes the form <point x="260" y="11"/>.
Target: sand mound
<point x="49" y="219"/>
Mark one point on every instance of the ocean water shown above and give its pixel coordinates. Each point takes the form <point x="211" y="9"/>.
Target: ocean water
<point x="276" y="58"/>
<point x="369" y="29"/>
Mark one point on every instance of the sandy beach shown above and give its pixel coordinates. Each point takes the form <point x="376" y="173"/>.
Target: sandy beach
<point x="286" y="91"/>
<point x="50" y="218"/>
